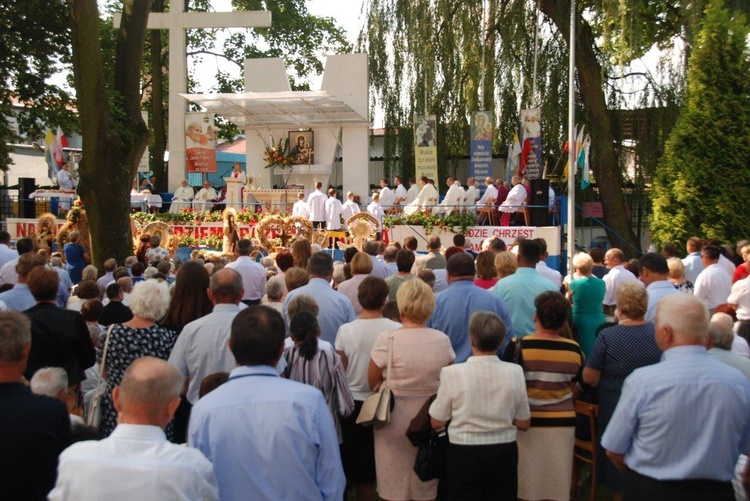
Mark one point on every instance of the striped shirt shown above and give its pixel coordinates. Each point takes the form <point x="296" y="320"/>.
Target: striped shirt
<point x="550" y="367"/>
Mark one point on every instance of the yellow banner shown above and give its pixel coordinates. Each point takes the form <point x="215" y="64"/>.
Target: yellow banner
<point x="425" y="151"/>
<point x="426" y="162"/>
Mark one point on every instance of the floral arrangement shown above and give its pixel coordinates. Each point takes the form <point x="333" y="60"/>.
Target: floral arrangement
<point x="192" y="216"/>
<point x="456" y="222"/>
<point x="276" y="155"/>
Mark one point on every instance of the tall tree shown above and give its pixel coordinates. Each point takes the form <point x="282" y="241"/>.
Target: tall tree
<point x="704" y="181"/>
<point x="114" y="134"/>
<point x="34" y="37"/>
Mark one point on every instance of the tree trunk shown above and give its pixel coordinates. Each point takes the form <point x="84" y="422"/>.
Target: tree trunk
<point x="158" y="121"/>
<point x="114" y="134"/>
<point x="604" y="163"/>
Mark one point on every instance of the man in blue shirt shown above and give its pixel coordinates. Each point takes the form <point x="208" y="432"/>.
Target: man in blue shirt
<point x="335" y="308"/>
<point x="455" y="305"/>
<point x="681" y="424"/>
<point x="655" y="274"/>
<point x="19" y="298"/>
<point x="521" y="289"/>
<point x="267" y="437"/>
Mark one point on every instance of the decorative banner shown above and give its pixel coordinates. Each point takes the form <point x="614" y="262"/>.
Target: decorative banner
<point x="531" y="144"/>
<point x="480" y="163"/>
<point x="200" y="142"/>
<point x="425" y="151"/>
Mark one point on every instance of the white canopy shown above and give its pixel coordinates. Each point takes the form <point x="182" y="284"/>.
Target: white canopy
<point x="278" y="110"/>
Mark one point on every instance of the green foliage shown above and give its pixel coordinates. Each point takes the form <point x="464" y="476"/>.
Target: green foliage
<point x="35" y="38"/>
<point x="703" y="184"/>
<point x="456" y="222"/>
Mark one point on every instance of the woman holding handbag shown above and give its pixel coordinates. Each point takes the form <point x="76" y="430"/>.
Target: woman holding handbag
<point x="417" y="354"/>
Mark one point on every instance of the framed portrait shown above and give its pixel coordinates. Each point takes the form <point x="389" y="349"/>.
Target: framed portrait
<point x="301" y="146"/>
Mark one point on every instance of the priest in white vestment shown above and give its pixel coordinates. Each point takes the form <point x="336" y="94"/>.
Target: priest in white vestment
<point x="182" y="197"/>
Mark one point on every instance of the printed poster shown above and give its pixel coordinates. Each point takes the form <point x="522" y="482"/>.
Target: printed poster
<point x="425" y="150"/>
<point x="480" y="146"/>
<point x="531" y="144"/>
<point x="200" y="142"/>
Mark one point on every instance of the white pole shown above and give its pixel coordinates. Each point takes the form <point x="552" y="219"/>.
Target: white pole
<point x="572" y="140"/>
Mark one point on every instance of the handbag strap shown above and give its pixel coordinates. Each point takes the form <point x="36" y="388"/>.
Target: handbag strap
<point x="390" y="361"/>
<point x="104" y="358"/>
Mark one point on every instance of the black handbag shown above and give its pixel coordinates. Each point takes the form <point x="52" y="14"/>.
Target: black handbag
<point x="432" y="456"/>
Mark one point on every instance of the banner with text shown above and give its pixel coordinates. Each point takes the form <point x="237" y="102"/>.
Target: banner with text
<point x="425" y="149"/>
<point x="200" y="142"/>
<point x="531" y="144"/>
<point x="480" y="162"/>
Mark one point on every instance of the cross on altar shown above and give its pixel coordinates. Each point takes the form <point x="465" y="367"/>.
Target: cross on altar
<point x="177" y="21"/>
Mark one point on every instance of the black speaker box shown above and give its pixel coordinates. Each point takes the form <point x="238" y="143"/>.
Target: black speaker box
<point x="26" y="204"/>
<point x="539" y="216"/>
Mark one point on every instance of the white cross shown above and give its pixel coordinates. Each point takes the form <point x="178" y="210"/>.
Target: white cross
<point x="177" y="21"/>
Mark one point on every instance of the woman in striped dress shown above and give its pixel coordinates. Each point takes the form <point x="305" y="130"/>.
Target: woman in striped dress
<point x="551" y="364"/>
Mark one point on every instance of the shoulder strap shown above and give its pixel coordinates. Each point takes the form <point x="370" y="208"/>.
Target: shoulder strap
<point x="104" y="360"/>
<point x="390" y="360"/>
<point x="518" y="347"/>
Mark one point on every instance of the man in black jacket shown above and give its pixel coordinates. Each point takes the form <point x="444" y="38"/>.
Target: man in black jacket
<point x="59" y="337"/>
<point x="34" y="429"/>
<point x="115" y="312"/>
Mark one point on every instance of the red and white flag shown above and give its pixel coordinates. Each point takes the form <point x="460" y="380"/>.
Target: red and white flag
<point x="57" y="147"/>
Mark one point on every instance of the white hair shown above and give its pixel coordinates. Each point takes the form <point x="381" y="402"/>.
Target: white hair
<point x="150" y="272"/>
<point x="150" y="300"/>
<point x="685" y="314"/>
<point x="275" y="288"/>
<point x="316" y="248"/>
<point x="49" y="381"/>
<point x="720" y="333"/>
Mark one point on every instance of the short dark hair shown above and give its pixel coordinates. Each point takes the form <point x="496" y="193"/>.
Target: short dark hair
<point x="91" y="310"/>
<point x="372" y="293"/>
<point x="497" y="245"/>
<point x="113" y="290"/>
<point x="24" y="245"/>
<point x="597" y="254"/>
<point x="411" y="243"/>
<point x="4" y="237"/>
<point x="371" y="247"/>
<point x="654" y="262"/>
<point x="349" y="254"/>
<point x="244" y="247"/>
<point x="120" y="272"/>
<point x="320" y="264"/>
<point x="669" y="249"/>
<point x="137" y="269"/>
<point x="405" y="260"/>
<point x="164" y="267"/>
<point x="529" y="251"/>
<point x="88" y="289"/>
<point x="27" y="262"/>
<point x="433" y="242"/>
<point x="551" y="309"/>
<point x="43" y="283"/>
<point x="542" y="246"/>
<point x="390" y="253"/>
<point x="284" y="260"/>
<point x="694" y="244"/>
<point x="211" y="382"/>
<point x="460" y="265"/>
<point x="257" y="336"/>
<point x="450" y="251"/>
<point x="712" y="252"/>
<point x="459" y="240"/>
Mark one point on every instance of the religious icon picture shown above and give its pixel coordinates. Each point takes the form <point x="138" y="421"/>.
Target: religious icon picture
<point x="301" y="146"/>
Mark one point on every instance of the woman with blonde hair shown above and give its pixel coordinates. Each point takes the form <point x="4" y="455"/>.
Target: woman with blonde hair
<point x="677" y="275"/>
<point x="141" y="336"/>
<point x="361" y="267"/>
<point x="506" y="264"/>
<point x="586" y="293"/>
<point x="418" y="354"/>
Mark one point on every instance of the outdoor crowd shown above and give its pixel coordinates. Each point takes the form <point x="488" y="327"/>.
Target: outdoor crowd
<point x="262" y="368"/>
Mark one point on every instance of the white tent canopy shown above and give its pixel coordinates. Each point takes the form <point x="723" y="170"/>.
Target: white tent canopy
<point x="275" y="110"/>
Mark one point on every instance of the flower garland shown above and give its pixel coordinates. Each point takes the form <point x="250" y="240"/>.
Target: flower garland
<point x="291" y="228"/>
<point x="275" y="155"/>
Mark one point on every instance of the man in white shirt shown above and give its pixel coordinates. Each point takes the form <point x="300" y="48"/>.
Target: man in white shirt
<point x="470" y="195"/>
<point x="453" y="198"/>
<point x="515" y="200"/>
<point x="317" y="203"/>
<point x="349" y="208"/>
<point x="205" y="197"/>
<point x="137" y="461"/>
<point x="490" y="193"/>
<point x="426" y="199"/>
<point x="182" y="197"/>
<point x="724" y="263"/>
<point x="8" y="273"/>
<point x="6" y="253"/>
<point x="201" y="349"/>
<point x="413" y="192"/>
<point x="617" y="275"/>
<point x="401" y="192"/>
<point x="253" y="274"/>
<point x="376" y="211"/>
<point x="300" y="207"/>
<point x="542" y="269"/>
<point x="713" y="284"/>
<point x="64" y="179"/>
<point x="334" y="209"/>
<point x="108" y="277"/>
<point x="693" y="263"/>
<point x="387" y="197"/>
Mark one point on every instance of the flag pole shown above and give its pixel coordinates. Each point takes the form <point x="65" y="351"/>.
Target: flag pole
<point x="572" y="144"/>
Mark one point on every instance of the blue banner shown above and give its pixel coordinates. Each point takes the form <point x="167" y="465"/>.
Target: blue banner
<point x="480" y="147"/>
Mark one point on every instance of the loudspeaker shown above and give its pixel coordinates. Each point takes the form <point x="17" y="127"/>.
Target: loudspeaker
<point x="538" y="216"/>
<point x="26" y="204"/>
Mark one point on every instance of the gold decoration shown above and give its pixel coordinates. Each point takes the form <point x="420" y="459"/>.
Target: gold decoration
<point x="362" y="226"/>
<point x="46" y="227"/>
<point x="164" y="231"/>
<point x="290" y="228"/>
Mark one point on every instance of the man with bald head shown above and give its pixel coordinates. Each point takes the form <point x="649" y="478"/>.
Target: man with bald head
<point x="201" y="349"/>
<point x="681" y="424"/>
<point x="613" y="260"/>
<point x="137" y="461"/>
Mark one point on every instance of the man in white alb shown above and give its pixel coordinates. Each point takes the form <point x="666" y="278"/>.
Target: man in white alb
<point x="182" y="197"/>
<point x="333" y="211"/>
<point x="453" y="198"/>
<point x="490" y="193"/>
<point x="424" y="200"/>
<point x="387" y="197"/>
<point x="515" y="200"/>
<point x="401" y="192"/>
<point x="317" y="203"/>
<point x="300" y="207"/>
<point x="470" y="195"/>
<point x="349" y="208"/>
<point x="413" y="192"/>
<point x="375" y="210"/>
<point x="204" y="198"/>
